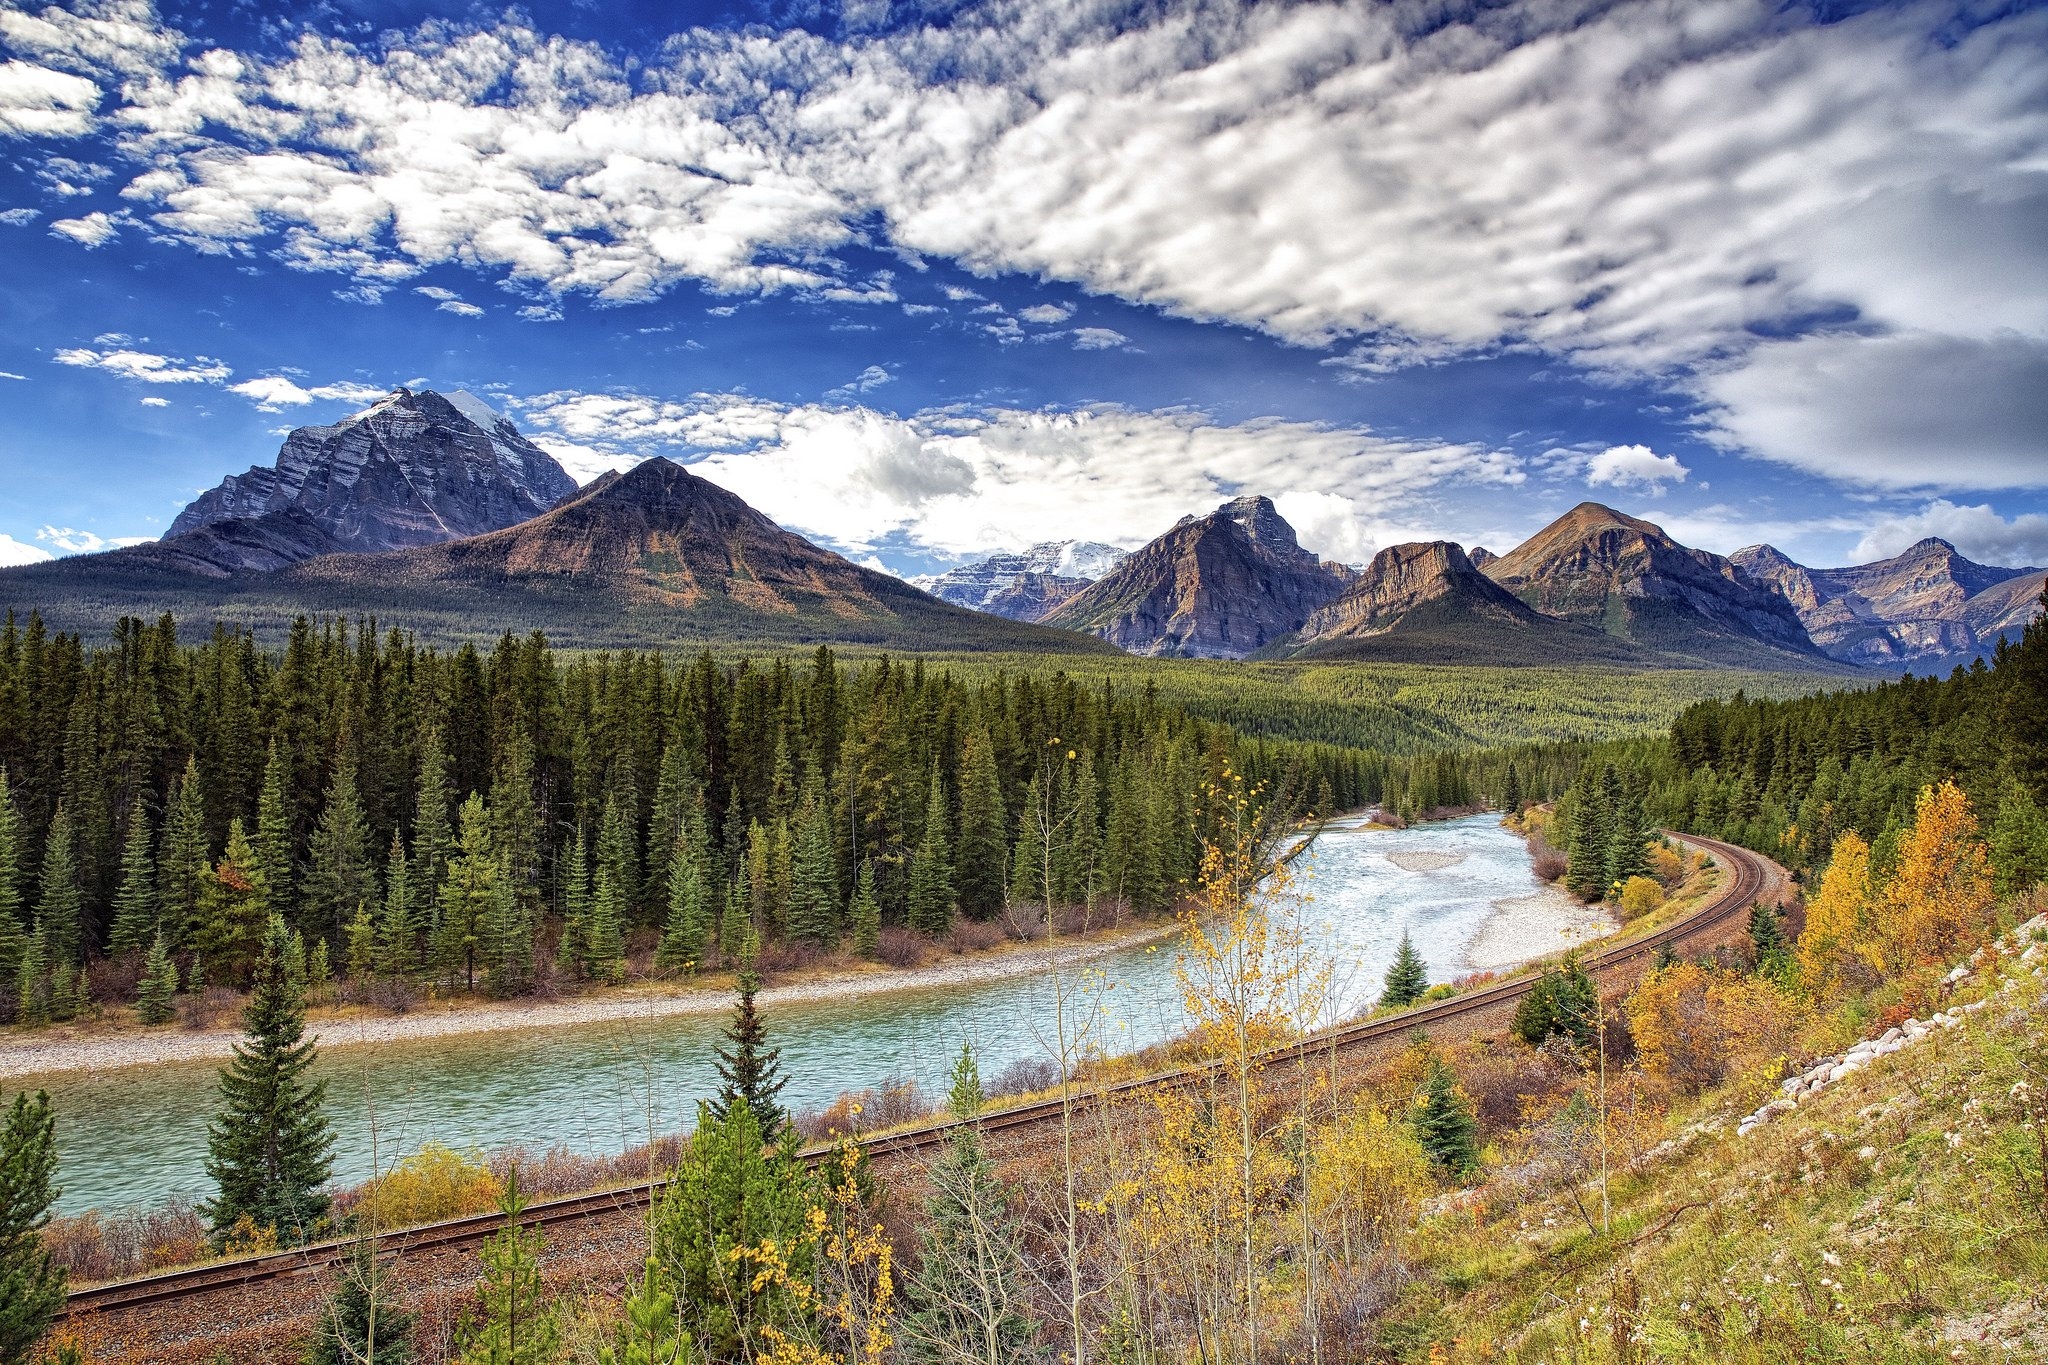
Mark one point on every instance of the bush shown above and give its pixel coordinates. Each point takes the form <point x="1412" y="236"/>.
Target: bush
<point x="1640" y="896"/>
<point x="433" y="1184"/>
<point x="899" y="947"/>
<point x="1025" y="1076"/>
<point x="974" y="936"/>
<point x="92" y="1247"/>
<point x="1695" y="1026"/>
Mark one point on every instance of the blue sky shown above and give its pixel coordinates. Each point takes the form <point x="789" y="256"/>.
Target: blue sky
<point x="925" y="282"/>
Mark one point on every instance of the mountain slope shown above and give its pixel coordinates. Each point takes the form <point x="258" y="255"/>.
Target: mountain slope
<point x="1610" y="572"/>
<point x="1024" y="586"/>
<point x="416" y="468"/>
<point x="1426" y="602"/>
<point x="1910" y="609"/>
<point x="1216" y="587"/>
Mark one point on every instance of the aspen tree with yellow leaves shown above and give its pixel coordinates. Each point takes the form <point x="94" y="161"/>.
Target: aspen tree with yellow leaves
<point x="1838" y="921"/>
<point x="1941" y="888"/>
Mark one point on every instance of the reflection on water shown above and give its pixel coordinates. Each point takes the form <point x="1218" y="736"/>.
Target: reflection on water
<point x="138" y="1136"/>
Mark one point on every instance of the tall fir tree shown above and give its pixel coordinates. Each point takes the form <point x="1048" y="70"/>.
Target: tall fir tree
<point x="135" y="903"/>
<point x="982" y="840"/>
<point x="572" y="948"/>
<point x="930" y="908"/>
<point x="340" y="878"/>
<point x="398" y="928"/>
<point x="275" y="848"/>
<point x="60" y="905"/>
<point x="508" y="941"/>
<point x="1407" y="978"/>
<point x="814" y="872"/>
<point x="748" y="1068"/>
<point x="515" y="823"/>
<point x="32" y="980"/>
<point x="1629" y="831"/>
<point x="31" y="1282"/>
<point x="13" y="928"/>
<point x="1511" y="791"/>
<point x="155" y="996"/>
<point x="605" y="937"/>
<point x="269" y="1151"/>
<point x="864" y="915"/>
<point x="230" y="923"/>
<point x="469" y="896"/>
<point x="183" y="858"/>
<point x="683" y="939"/>
<point x="433" y="838"/>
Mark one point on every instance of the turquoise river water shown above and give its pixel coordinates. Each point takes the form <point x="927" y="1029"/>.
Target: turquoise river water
<point x="136" y="1136"/>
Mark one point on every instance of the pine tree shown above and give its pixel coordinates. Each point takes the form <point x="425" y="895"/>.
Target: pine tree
<point x="508" y="941"/>
<point x="340" y="877"/>
<point x="648" y="1332"/>
<point x="519" y="1326"/>
<point x="1767" y="937"/>
<point x="572" y="949"/>
<point x="618" y="852"/>
<point x="60" y="906"/>
<point x="268" y="1150"/>
<point x="749" y="1069"/>
<point x="360" y="954"/>
<point x="230" y="927"/>
<point x="2019" y="841"/>
<point x="32" y="980"/>
<point x="154" y="998"/>
<point x="689" y="908"/>
<point x="1562" y="1002"/>
<point x="814" y="873"/>
<point x="970" y="1299"/>
<point x="515" y="824"/>
<point x="31" y="1283"/>
<point x="398" y="930"/>
<point x="1445" y="1124"/>
<point x="1407" y="978"/>
<point x="432" y="833"/>
<point x="931" y="867"/>
<point x="1030" y="860"/>
<point x="135" y="904"/>
<point x="1511" y="791"/>
<point x="13" y="931"/>
<point x="1628" y="831"/>
<point x="363" y="1323"/>
<point x="865" y="914"/>
<point x="273" y="849"/>
<point x="605" y="937"/>
<point x="980" y="843"/>
<point x="469" y="896"/>
<point x="1588" y="836"/>
<point x="183" y="858"/>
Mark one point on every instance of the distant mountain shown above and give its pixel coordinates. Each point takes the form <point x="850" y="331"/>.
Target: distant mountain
<point x="1481" y="556"/>
<point x="1914" y="609"/>
<point x="1219" y="587"/>
<point x="1027" y="586"/>
<point x="1613" y="573"/>
<point x="415" y="468"/>
<point x="2004" y="610"/>
<point x="653" y="556"/>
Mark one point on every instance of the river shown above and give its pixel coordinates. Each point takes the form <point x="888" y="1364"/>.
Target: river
<point x="136" y="1137"/>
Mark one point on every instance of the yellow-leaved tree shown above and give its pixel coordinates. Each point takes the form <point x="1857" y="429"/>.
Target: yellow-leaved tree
<point x="1936" y="900"/>
<point x="1838" y="921"/>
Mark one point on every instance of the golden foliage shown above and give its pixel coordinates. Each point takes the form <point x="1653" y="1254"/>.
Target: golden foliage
<point x="1838" y="920"/>
<point x="1697" y="1026"/>
<point x="1937" y="898"/>
<point x="432" y="1184"/>
<point x="1667" y="865"/>
<point x="1641" y="895"/>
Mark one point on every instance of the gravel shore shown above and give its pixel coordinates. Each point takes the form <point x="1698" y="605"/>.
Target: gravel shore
<point x="1542" y="922"/>
<point x="65" y="1049"/>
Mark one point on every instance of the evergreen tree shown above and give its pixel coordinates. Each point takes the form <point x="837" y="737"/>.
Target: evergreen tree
<point x="340" y="878"/>
<point x="155" y="996"/>
<point x="32" y="981"/>
<point x="60" y="906"/>
<point x="268" y="1150"/>
<point x="519" y="1326"/>
<point x="865" y="914"/>
<point x="1589" y="838"/>
<point x="2019" y="841"/>
<point x="1032" y="859"/>
<point x="13" y="931"/>
<point x="1407" y="978"/>
<point x="515" y="824"/>
<point x="31" y="1284"/>
<point x="274" y="849"/>
<point x="508" y="941"/>
<point x="1078" y="868"/>
<point x="1767" y="937"/>
<point x="649" y="1332"/>
<point x="2024" y="723"/>
<point x="749" y="1069"/>
<point x="1445" y="1124"/>
<point x="135" y="904"/>
<point x="398" y="930"/>
<point x="814" y="871"/>
<point x="605" y="936"/>
<point x="230" y="927"/>
<point x="931" y="867"/>
<point x="363" y="1323"/>
<point x="1628" y="833"/>
<point x="1511" y="791"/>
<point x="469" y="896"/>
<point x="360" y="953"/>
<point x="980" y="843"/>
<point x="618" y="854"/>
<point x="1563" y="1001"/>
<point x="184" y="859"/>
<point x="970" y="1299"/>
<point x="689" y="907"/>
<point x="433" y="839"/>
<point x="572" y="950"/>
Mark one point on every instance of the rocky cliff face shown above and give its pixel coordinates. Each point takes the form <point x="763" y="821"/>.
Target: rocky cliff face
<point x="1925" y="606"/>
<point x="1403" y="583"/>
<point x="1038" y="580"/>
<point x="1218" y="587"/>
<point x="417" y="468"/>
<point x="1600" y="568"/>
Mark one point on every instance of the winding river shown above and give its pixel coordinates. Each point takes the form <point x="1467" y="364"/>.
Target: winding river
<point x="136" y="1137"/>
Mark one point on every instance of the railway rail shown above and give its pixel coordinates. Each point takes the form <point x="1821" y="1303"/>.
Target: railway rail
<point x="1752" y="878"/>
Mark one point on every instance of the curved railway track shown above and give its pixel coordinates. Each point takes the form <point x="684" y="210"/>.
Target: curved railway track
<point x="1753" y="878"/>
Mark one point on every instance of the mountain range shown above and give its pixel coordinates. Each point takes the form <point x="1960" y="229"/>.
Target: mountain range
<point x="435" y="512"/>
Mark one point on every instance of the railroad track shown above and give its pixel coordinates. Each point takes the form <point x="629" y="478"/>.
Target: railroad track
<point x="1753" y="877"/>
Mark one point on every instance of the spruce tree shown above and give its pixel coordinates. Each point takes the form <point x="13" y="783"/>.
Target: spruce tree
<point x="362" y="1323"/>
<point x="930" y="909"/>
<point x="605" y="935"/>
<point x="359" y="954"/>
<point x="1445" y="1124"/>
<point x="340" y="877"/>
<point x="814" y="872"/>
<point x="970" y="1299"/>
<point x="749" y="1069"/>
<point x="274" y="848"/>
<point x="1767" y="937"/>
<point x="519" y="1325"/>
<point x="980" y="843"/>
<point x="1511" y="791"/>
<point x="618" y="845"/>
<point x="183" y="858"/>
<point x="31" y="1283"/>
<point x="1079" y="864"/>
<point x="572" y="949"/>
<point x="469" y="895"/>
<point x="268" y="1149"/>
<point x="2019" y="841"/>
<point x="508" y="941"/>
<point x="515" y="824"/>
<point x="155" y="997"/>
<point x="1032" y="858"/>
<point x="398" y="929"/>
<point x="60" y="906"/>
<point x="1563" y="1002"/>
<point x="432" y="833"/>
<point x="1407" y="978"/>
<point x="689" y="913"/>
<point x="230" y="928"/>
<point x="32" y="981"/>
<point x="135" y="904"/>
<point x="13" y="929"/>
<point x="864" y="916"/>
<point x="648" y="1332"/>
<point x="2024" y="723"/>
<point x="1629" y="830"/>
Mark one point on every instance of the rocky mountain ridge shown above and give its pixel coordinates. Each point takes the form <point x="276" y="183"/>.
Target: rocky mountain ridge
<point x="1027" y="586"/>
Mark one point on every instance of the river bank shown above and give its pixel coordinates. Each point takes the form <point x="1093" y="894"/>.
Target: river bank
<point x="72" y="1049"/>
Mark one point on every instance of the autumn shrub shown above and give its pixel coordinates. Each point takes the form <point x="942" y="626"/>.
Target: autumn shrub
<point x="432" y="1184"/>
<point x="899" y="947"/>
<point x="92" y="1246"/>
<point x="1509" y="1085"/>
<point x="784" y="955"/>
<point x="1640" y="896"/>
<point x="1025" y="1076"/>
<point x="1667" y="865"/>
<point x="973" y="935"/>
<point x="1695" y="1026"/>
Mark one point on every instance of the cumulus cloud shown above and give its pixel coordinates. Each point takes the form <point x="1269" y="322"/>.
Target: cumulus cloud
<point x="957" y="481"/>
<point x="1046" y="313"/>
<point x="152" y="401"/>
<point x="13" y="552"/>
<point x="1098" y="339"/>
<point x="275" y="392"/>
<point x="873" y="377"/>
<point x="1979" y="532"/>
<point x="459" y="308"/>
<point x="1634" y="466"/>
<point x="145" y="366"/>
<point x="92" y="231"/>
<point x="38" y="102"/>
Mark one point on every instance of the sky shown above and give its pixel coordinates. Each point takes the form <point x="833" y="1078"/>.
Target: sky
<point x="929" y="281"/>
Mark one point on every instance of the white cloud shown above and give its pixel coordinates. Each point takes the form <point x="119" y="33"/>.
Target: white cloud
<point x="1046" y="313"/>
<point x="1979" y="532"/>
<point x="93" y="231"/>
<point x="541" y="312"/>
<point x="436" y="292"/>
<point x="146" y="366"/>
<point x="1634" y="466"/>
<point x="1098" y="339"/>
<point x="274" y="392"/>
<point x="75" y="542"/>
<point x="9" y="374"/>
<point x="38" y="102"/>
<point x="873" y="377"/>
<point x="459" y="308"/>
<point x="956" y="481"/>
<point x="19" y="217"/>
<point x="13" y="552"/>
<point x="152" y="401"/>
